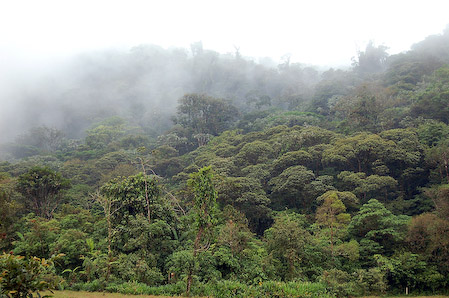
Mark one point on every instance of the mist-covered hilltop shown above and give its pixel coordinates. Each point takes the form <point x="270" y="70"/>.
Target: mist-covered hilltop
<point x="143" y="86"/>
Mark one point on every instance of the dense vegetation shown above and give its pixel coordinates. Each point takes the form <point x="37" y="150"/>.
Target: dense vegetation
<point x="271" y="181"/>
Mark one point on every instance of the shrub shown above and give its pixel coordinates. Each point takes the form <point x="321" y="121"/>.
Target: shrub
<point x="21" y="276"/>
<point x="228" y="288"/>
<point x="338" y="282"/>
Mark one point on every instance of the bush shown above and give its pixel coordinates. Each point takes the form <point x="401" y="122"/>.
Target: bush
<point x="21" y="276"/>
<point x="136" y="288"/>
<point x="227" y="288"/>
<point x="362" y="282"/>
<point x="338" y="282"/>
<point x="133" y="267"/>
<point x="370" y="281"/>
<point x="91" y="286"/>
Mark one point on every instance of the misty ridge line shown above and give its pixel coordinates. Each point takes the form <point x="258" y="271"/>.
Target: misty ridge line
<point x="143" y="86"/>
<point x="147" y="81"/>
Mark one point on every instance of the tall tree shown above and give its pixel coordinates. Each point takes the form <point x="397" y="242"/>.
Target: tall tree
<point x="42" y="190"/>
<point x="204" y="207"/>
<point x="331" y="215"/>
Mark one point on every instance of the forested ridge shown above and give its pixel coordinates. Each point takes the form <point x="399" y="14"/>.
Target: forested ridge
<point x="172" y="171"/>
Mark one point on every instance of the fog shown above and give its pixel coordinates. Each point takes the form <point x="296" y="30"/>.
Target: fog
<point x="141" y="85"/>
<point x="68" y="66"/>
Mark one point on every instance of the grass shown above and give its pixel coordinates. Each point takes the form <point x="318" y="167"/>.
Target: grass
<point x="81" y="294"/>
<point x="409" y="296"/>
<point x="73" y="294"/>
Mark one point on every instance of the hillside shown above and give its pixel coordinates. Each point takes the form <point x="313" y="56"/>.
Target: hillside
<point x="170" y="168"/>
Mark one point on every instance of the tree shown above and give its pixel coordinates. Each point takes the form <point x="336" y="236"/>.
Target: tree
<point x="238" y="252"/>
<point x="204" y="206"/>
<point x="361" y="110"/>
<point x="431" y="101"/>
<point x="331" y="215"/>
<point x="348" y="198"/>
<point x="9" y="210"/>
<point x="431" y="132"/>
<point x="137" y="194"/>
<point x="372" y="60"/>
<point x="439" y="194"/>
<point x="109" y="208"/>
<point x="291" y="186"/>
<point x="287" y="241"/>
<point x="204" y="114"/>
<point x="45" y="138"/>
<point x="437" y="157"/>
<point x="377" y="228"/>
<point x="254" y="153"/>
<point x="292" y="158"/>
<point x="373" y="186"/>
<point x="359" y="152"/>
<point x="42" y="190"/>
<point x="106" y="132"/>
<point x="406" y="269"/>
<point x="245" y="194"/>
<point x="428" y="235"/>
<point x="140" y="223"/>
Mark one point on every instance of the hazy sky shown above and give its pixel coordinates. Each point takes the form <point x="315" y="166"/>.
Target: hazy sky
<point x="316" y="32"/>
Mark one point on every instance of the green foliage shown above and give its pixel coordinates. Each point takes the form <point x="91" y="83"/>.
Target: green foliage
<point x="41" y="188"/>
<point x="370" y="281"/>
<point x="373" y="186"/>
<point x="432" y="132"/>
<point x="292" y="158"/>
<point x="39" y="235"/>
<point x="405" y="269"/>
<point x="239" y="254"/>
<point x="428" y="236"/>
<point x="204" y="114"/>
<point x="338" y="282"/>
<point x="163" y="233"/>
<point x="379" y="228"/>
<point x="359" y="152"/>
<point x="332" y="219"/>
<point x="287" y="241"/>
<point x="359" y="283"/>
<point x="105" y="132"/>
<point x="22" y="276"/>
<point x="254" y="153"/>
<point x="133" y="267"/>
<point x="204" y="206"/>
<point x="205" y="196"/>
<point x="65" y="234"/>
<point x="293" y="187"/>
<point x="9" y="210"/>
<point x="431" y="100"/>
<point x="226" y="289"/>
<point x="137" y="194"/>
<point x="247" y="195"/>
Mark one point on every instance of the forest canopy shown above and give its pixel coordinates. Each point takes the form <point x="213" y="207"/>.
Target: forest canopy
<point x="190" y="171"/>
